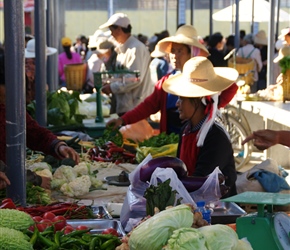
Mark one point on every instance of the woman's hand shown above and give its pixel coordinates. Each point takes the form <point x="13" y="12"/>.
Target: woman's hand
<point x="65" y="151"/>
<point x="115" y="123"/>
<point x="45" y="182"/>
<point x="4" y="181"/>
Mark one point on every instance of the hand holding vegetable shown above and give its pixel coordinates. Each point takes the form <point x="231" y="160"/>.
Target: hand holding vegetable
<point x="4" y="181"/>
<point x="65" y="151"/>
<point x="115" y="123"/>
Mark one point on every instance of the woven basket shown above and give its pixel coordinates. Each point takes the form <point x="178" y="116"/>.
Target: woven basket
<point x="286" y="86"/>
<point x="75" y="76"/>
<point x="243" y="66"/>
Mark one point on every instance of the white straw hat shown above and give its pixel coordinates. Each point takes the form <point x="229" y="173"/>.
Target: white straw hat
<point x="185" y="34"/>
<point x="285" y="51"/>
<point x="30" y="49"/>
<point x="199" y="78"/>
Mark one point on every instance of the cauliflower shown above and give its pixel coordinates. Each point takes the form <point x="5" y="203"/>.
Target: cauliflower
<point x="64" y="172"/>
<point x="81" y="169"/>
<point x="98" y="184"/>
<point x="57" y="183"/>
<point x="39" y="166"/>
<point x="79" y="186"/>
<point x="44" y="172"/>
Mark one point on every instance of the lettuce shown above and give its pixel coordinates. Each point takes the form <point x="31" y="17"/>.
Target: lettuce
<point x="154" y="233"/>
<point x="186" y="239"/>
<point x="220" y="237"/>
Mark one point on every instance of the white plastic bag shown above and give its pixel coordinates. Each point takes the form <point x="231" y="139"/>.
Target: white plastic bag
<point x="210" y="190"/>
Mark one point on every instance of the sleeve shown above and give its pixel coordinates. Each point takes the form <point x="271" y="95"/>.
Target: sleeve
<point x="151" y="105"/>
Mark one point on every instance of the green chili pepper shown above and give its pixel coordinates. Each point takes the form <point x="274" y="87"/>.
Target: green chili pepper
<point x="109" y="244"/>
<point x="46" y="241"/>
<point x="34" y="236"/>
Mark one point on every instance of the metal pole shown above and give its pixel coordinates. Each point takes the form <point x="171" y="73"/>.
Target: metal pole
<point x="15" y="100"/>
<point x="40" y="62"/>
<point x="52" y="41"/>
<point x="253" y="16"/>
<point x="110" y="8"/>
<point x="191" y="12"/>
<point x="210" y="14"/>
<point x="271" y="42"/>
<point x="237" y="26"/>
<point x="165" y="14"/>
<point x="277" y="22"/>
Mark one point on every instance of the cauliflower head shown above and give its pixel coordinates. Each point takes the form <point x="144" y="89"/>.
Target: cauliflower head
<point x="64" y="172"/>
<point x="81" y="169"/>
<point x="78" y="187"/>
<point x="44" y="172"/>
<point x="39" y="166"/>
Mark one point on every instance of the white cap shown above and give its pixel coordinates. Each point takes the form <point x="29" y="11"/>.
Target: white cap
<point x="119" y="19"/>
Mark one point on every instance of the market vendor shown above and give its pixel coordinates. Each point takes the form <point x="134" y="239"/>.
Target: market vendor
<point x="38" y="138"/>
<point x="204" y="144"/>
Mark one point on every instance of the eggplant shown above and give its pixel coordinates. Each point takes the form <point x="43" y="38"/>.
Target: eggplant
<point x="192" y="183"/>
<point x="162" y="162"/>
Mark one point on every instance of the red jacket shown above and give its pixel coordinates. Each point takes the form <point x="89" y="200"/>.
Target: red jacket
<point x="157" y="102"/>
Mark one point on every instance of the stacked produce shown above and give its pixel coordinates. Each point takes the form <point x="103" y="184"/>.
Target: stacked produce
<point x="172" y="229"/>
<point x="19" y="231"/>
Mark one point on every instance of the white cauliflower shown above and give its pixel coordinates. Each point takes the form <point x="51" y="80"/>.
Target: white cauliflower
<point x="97" y="184"/>
<point x="81" y="169"/>
<point x="44" y="173"/>
<point x="78" y="187"/>
<point x="57" y="183"/>
<point x="39" y="166"/>
<point x="64" y="172"/>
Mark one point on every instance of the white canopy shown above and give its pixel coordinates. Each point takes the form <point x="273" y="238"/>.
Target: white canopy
<point x="261" y="12"/>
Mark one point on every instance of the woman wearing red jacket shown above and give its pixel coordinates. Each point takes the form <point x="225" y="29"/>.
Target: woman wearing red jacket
<point x="181" y="47"/>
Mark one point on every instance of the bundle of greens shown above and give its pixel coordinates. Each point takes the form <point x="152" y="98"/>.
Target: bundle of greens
<point x="62" y="108"/>
<point x="285" y="64"/>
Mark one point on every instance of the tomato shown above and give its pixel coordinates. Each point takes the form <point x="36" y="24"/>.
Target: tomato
<point x="59" y="222"/>
<point x="8" y="204"/>
<point x="41" y="227"/>
<point x="7" y="200"/>
<point x="47" y="223"/>
<point x="37" y="218"/>
<point x="48" y="215"/>
<point x="112" y="231"/>
<point x="81" y="227"/>
<point x="68" y="229"/>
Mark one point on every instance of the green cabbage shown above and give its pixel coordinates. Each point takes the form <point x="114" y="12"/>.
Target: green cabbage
<point x="186" y="239"/>
<point x="243" y="244"/>
<point x="220" y="237"/>
<point x="154" y="233"/>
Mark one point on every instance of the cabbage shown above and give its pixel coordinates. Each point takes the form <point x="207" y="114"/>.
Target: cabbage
<point x="154" y="233"/>
<point x="186" y="239"/>
<point x="243" y="244"/>
<point x="220" y="237"/>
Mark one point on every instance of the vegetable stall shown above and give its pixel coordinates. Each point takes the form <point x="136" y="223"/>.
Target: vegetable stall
<point x="118" y="197"/>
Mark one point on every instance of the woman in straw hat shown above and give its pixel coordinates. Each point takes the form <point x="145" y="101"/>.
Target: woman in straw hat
<point x="204" y="144"/>
<point x="180" y="47"/>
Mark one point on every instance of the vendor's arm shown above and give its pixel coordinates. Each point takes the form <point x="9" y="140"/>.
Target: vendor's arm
<point x="42" y="139"/>
<point x="264" y="139"/>
<point x="4" y="181"/>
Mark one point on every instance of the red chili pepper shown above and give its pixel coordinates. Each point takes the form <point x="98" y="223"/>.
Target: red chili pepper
<point x="8" y="204"/>
<point x="6" y="200"/>
<point x="117" y="149"/>
<point x="129" y="154"/>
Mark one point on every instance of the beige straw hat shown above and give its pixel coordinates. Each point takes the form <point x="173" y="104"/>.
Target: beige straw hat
<point x="284" y="32"/>
<point x="261" y="38"/>
<point x="185" y="34"/>
<point x="285" y="51"/>
<point x="156" y="52"/>
<point x="199" y="78"/>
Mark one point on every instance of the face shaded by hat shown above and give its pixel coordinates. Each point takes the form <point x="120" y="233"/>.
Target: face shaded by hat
<point x="118" y="19"/>
<point x="186" y="34"/>
<point x="30" y="49"/>
<point x="261" y="38"/>
<point x="65" y="41"/>
<point x="199" y="78"/>
<point x="285" y="51"/>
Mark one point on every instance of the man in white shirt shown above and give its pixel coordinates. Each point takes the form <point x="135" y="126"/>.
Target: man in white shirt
<point x="131" y="55"/>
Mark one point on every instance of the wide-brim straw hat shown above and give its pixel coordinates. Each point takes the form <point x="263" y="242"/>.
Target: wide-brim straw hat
<point x="30" y="49"/>
<point x="185" y="34"/>
<point x="199" y="78"/>
<point x="284" y="32"/>
<point x="157" y="53"/>
<point x="261" y="38"/>
<point x="103" y="45"/>
<point x="285" y="51"/>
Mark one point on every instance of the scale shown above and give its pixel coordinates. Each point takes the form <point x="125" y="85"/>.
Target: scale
<point x="96" y="129"/>
<point x="264" y="229"/>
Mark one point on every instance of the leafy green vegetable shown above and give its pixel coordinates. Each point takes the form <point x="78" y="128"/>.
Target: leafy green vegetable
<point x="186" y="238"/>
<point x="160" y="196"/>
<point x="154" y="233"/>
<point x="160" y="140"/>
<point x="219" y="236"/>
<point x="284" y="64"/>
<point x="110" y="134"/>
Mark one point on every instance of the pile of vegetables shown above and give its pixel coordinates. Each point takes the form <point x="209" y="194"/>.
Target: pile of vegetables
<point x="158" y="145"/>
<point x="172" y="229"/>
<point x="284" y="63"/>
<point x="20" y="231"/>
<point x="62" y="108"/>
